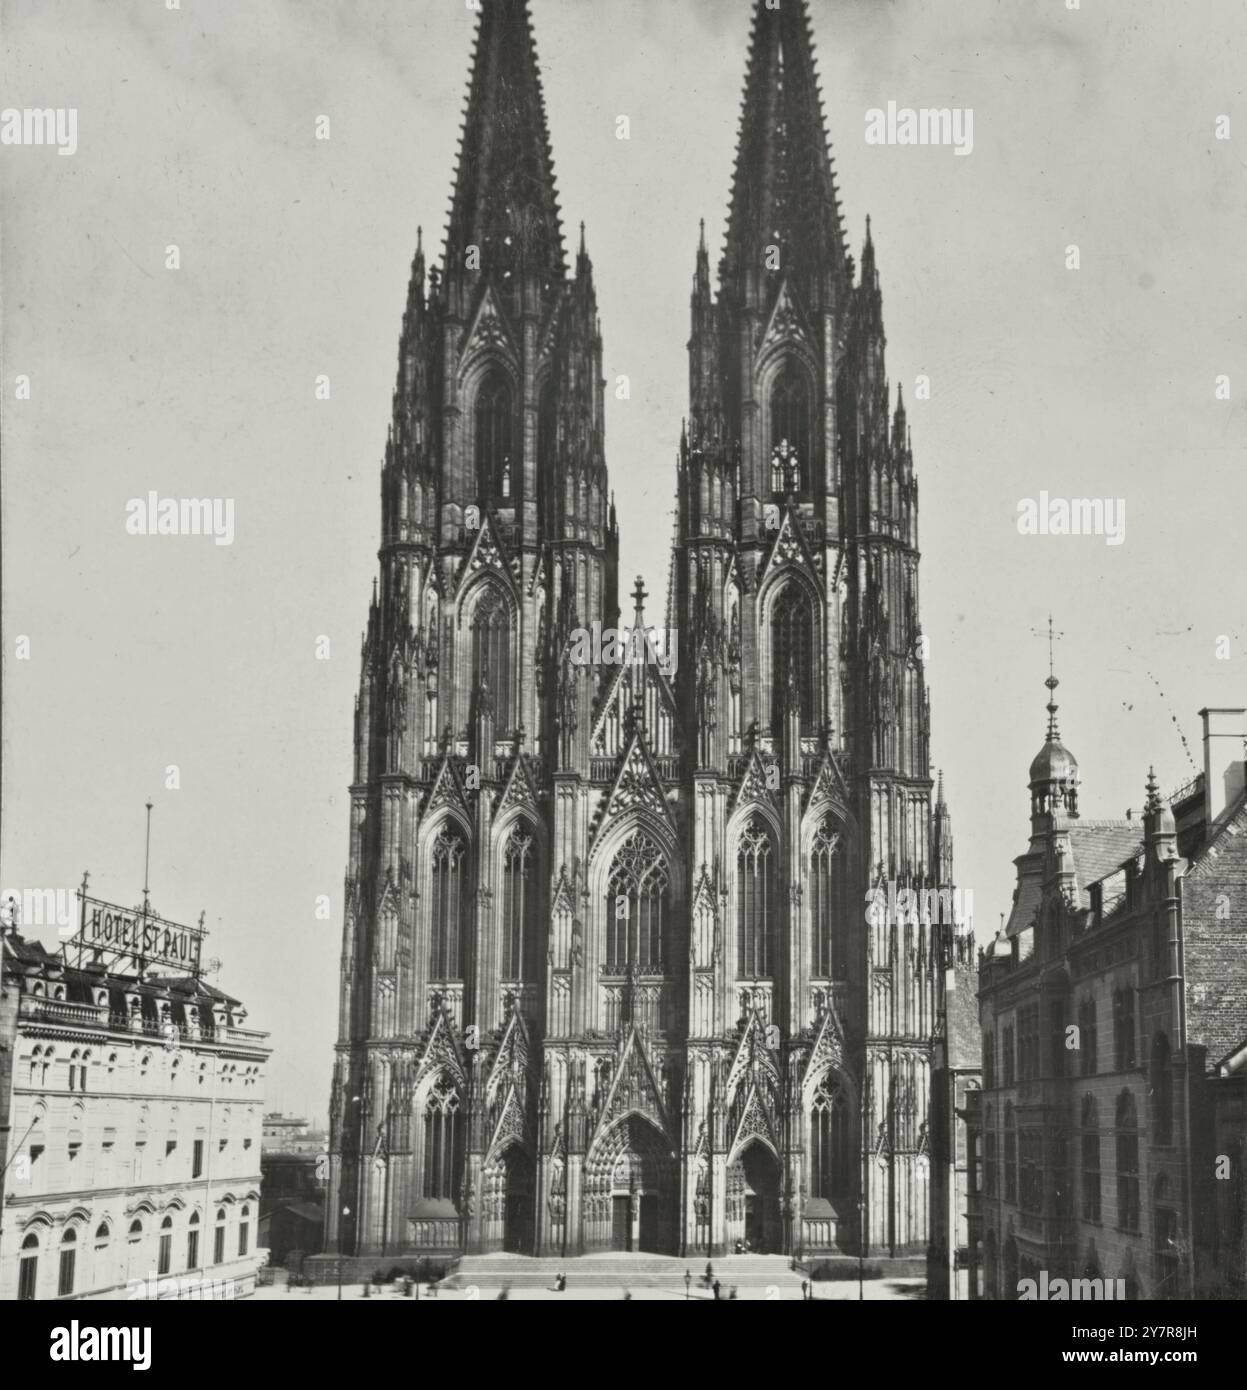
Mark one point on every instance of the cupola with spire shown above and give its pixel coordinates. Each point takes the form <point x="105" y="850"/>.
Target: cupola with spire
<point x="1054" y="776"/>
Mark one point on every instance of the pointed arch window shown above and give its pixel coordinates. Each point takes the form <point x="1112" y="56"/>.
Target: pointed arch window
<point x="757" y="903"/>
<point x="638" y="906"/>
<point x="792" y="657"/>
<point x="449" y="892"/>
<point x="519" y="905"/>
<point x="830" y="1146"/>
<point x="827" y="905"/>
<point x="1127" y="1163"/>
<point x="491" y="651"/>
<point x="1162" y="1091"/>
<point x="1090" y="1159"/>
<point x="443" y="1140"/>
<point x="790" y="431"/>
<point x="495" y="444"/>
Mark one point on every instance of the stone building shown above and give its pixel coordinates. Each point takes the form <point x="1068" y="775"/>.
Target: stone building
<point x="608" y="976"/>
<point x="130" y="1110"/>
<point x="1111" y="1008"/>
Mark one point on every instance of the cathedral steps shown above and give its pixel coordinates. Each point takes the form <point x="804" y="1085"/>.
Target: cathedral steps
<point x="617" y="1268"/>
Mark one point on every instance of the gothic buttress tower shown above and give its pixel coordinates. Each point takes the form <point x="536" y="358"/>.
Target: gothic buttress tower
<point x="817" y="861"/>
<point x="497" y="540"/>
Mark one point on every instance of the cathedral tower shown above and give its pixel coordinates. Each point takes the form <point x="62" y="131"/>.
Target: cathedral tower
<point x="644" y="945"/>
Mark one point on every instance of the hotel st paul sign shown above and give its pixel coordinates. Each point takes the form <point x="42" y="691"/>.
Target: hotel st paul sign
<point x="138" y="933"/>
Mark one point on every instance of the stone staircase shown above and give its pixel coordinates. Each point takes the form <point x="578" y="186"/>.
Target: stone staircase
<point x="615" y="1270"/>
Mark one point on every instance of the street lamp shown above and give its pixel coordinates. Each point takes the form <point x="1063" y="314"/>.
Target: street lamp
<point x="861" y="1244"/>
<point x="346" y="1211"/>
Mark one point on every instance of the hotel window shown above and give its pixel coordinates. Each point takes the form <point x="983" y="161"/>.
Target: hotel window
<point x="192" y="1242"/>
<point x="218" y="1238"/>
<point x="1127" y="1163"/>
<point x="1087" y="1037"/>
<point x="1123" y="1028"/>
<point x="103" y="1237"/>
<point x="1090" y="1160"/>
<point x="28" y="1268"/>
<point x="1011" y="1155"/>
<point x="197" y="1159"/>
<point x="69" y="1257"/>
<point x="244" y="1230"/>
<point x="165" y="1261"/>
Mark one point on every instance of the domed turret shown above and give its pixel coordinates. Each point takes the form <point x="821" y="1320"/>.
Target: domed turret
<point x="1054" y="773"/>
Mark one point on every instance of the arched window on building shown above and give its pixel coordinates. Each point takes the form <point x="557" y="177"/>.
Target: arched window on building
<point x="829" y="920"/>
<point x="491" y="651"/>
<point x="1011" y="1154"/>
<point x="1162" y="1091"/>
<point x="164" y="1256"/>
<point x="244" y="1229"/>
<point x="757" y="902"/>
<point x="494" y="419"/>
<point x="520" y="923"/>
<point x="638" y="906"/>
<point x="790" y="431"/>
<point x="1127" y="1163"/>
<point x="831" y="1159"/>
<point x="192" y="1241"/>
<point x="28" y="1268"/>
<point x="792" y="657"/>
<point x="443" y="1141"/>
<point x="1090" y="1159"/>
<point x="218" y="1238"/>
<point x="68" y="1264"/>
<point x="449" y="902"/>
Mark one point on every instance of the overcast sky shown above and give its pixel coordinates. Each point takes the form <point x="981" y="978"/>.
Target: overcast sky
<point x="196" y="128"/>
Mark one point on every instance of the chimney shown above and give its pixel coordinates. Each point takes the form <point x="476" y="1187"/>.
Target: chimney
<point x="1225" y="748"/>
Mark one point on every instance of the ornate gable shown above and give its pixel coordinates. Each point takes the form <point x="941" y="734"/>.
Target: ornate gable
<point x="752" y="786"/>
<point x="830" y="789"/>
<point x="488" y="331"/>
<point x="634" y="1089"/>
<point x="447" y="789"/>
<point x="755" y="1123"/>
<point x="624" y="683"/>
<point x="488" y="553"/>
<point x="510" y="1066"/>
<point x="787" y="323"/>
<point x="637" y="787"/>
<point x="442" y="1051"/>
<point x="753" y="1058"/>
<point x="789" y="548"/>
<point x="512" y="1124"/>
<point x="828" y="1049"/>
<point x="520" y="789"/>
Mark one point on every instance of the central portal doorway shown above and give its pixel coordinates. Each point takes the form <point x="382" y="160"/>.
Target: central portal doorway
<point x="621" y="1223"/>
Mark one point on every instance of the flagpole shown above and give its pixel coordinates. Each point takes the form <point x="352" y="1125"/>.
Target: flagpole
<point x="147" y="860"/>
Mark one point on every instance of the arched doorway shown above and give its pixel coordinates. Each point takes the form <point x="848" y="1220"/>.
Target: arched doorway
<point x="630" y="1190"/>
<point x="753" y="1177"/>
<point x="509" y="1186"/>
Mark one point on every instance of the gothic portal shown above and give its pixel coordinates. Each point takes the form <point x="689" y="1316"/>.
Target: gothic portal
<point x="608" y="976"/>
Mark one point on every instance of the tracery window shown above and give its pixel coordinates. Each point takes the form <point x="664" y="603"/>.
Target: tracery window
<point x="491" y="651"/>
<point x="792" y="656"/>
<point x="519" y="906"/>
<point x="1162" y="1091"/>
<point x="443" y="1140"/>
<point x="1090" y="1160"/>
<point x="494" y="419"/>
<point x="830" y="1147"/>
<point x="757" y="903"/>
<point x="638" y="906"/>
<point x="1011" y="1155"/>
<point x="1127" y="1163"/>
<point x="827" y="904"/>
<point x="449" y="906"/>
<point x="790" y="431"/>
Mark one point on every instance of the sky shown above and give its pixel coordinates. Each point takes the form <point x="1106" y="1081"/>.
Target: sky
<point x="1094" y="128"/>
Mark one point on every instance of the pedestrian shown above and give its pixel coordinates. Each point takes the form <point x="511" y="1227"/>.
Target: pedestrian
<point x="804" y="1286"/>
<point x="731" y="1293"/>
<point x="560" y="1282"/>
<point x="709" y="1275"/>
<point x="715" y="1286"/>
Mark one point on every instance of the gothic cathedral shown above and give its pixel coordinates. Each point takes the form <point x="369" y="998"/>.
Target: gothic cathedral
<point x="613" y="976"/>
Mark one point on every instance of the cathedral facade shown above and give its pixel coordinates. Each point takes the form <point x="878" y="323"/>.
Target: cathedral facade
<point x="644" y="953"/>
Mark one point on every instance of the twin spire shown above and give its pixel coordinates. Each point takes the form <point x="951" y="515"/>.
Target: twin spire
<point x="505" y="203"/>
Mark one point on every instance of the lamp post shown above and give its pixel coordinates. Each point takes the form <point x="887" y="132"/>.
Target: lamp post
<point x="346" y="1211"/>
<point x="688" y="1279"/>
<point x="861" y="1245"/>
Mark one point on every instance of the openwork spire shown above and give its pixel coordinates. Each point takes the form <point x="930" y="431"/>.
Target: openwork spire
<point x="783" y="188"/>
<point x="504" y="200"/>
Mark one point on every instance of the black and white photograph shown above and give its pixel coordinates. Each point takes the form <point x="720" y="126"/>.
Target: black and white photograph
<point x="624" y="667"/>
